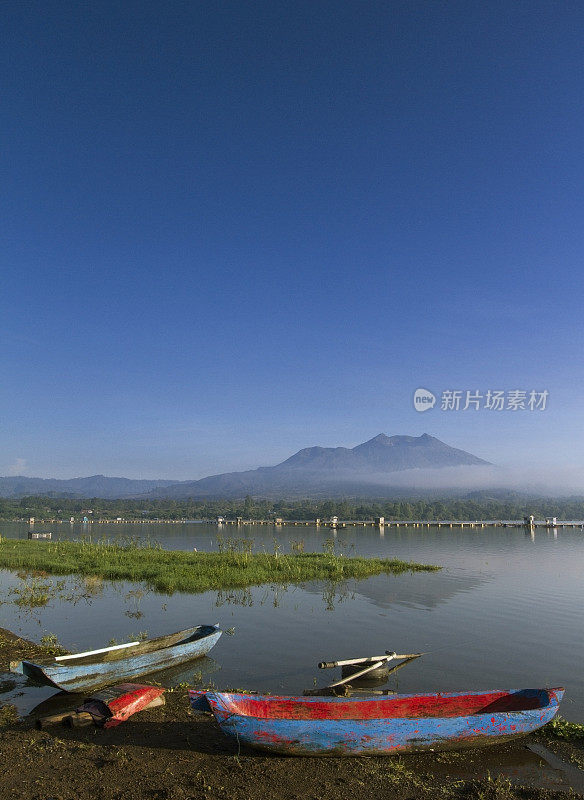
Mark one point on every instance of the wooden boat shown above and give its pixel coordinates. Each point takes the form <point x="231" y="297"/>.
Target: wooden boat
<point x="108" y="708"/>
<point x="366" y="726"/>
<point x="81" y="671"/>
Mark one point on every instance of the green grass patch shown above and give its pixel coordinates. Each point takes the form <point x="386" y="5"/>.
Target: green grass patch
<point x="560" y="728"/>
<point x="170" y="571"/>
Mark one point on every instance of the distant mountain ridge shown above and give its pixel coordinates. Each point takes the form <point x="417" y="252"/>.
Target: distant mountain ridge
<point x="330" y="470"/>
<point x="365" y="469"/>
<point x="94" y="486"/>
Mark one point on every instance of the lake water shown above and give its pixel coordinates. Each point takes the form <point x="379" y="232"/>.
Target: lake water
<point x="504" y="612"/>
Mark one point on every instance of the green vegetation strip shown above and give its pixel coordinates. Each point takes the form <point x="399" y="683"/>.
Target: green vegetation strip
<point x="177" y="571"/>
<point x="485" y="506"/>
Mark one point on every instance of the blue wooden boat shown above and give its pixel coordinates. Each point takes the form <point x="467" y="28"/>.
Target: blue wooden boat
<point x="374" y="725"/>
<point x="81" y="671"/>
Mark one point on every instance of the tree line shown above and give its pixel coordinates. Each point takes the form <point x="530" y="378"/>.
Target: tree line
<point x="406" y="508"/>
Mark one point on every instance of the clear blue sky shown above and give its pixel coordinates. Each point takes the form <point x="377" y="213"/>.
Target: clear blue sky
<point x="230" y="230"/>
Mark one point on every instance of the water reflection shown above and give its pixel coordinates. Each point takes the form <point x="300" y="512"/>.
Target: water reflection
<point x="332" y="594"/>
<point x="234" y="597"/>
<point x="407" y="591"/>
<point x="134" y="598"/>
<point x="32" y="590"/>
<point x="200" y="673"/>
<point x="480" y="619"/>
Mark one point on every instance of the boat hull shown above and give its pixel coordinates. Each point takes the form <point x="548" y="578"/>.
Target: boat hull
<point x="81" y="677"/>
<point x="317" y="734"/>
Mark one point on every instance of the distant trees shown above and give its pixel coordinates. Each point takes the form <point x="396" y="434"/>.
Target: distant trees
<point x="249" y="507"/>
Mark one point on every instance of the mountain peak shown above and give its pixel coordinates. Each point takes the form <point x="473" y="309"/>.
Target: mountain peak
<point x="381" y="454"/>
<point x="382" y="438"/>
<point x="368" y="468"/>
<point x="401" y="440"/>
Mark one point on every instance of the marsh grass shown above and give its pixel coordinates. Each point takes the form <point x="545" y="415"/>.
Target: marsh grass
<point x="497" y="788"/>
<point x="560" y="728"/>
<point x="37" y="590"/>
<point x="169" y="571"/>
<point x="34" y="593"/>
<point x="52" y="646"/>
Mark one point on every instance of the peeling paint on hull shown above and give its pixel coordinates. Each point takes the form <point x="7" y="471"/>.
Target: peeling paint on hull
<point x="307" y="726"/>
<point x="81" y="677"/>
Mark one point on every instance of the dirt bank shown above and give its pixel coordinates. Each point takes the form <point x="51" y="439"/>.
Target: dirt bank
<point x="169" y="753"/>
<point x="13" y="647"/>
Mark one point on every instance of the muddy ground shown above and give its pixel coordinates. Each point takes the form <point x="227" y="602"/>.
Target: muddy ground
<point x="170" y="753"/>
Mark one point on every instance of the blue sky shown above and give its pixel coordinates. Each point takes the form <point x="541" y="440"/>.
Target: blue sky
<point x="233" y="230"/>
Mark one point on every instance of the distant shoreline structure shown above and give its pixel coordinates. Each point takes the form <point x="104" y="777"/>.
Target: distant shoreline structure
<point x="324" y="523"/>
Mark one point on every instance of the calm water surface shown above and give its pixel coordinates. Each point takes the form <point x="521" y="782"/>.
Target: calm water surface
<point x="504" y="612"/>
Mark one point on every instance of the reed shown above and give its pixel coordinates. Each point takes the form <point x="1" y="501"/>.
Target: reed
<point x="171" y="571"/>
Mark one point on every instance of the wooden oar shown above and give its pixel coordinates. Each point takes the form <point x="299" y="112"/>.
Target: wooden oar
<point x="375" y="666"/>
<point x="95" y="652"/>
<point x="395" y="668"/>
<point x="389" y="656"/>
<point x="359" y="674"/>
<point x="330" y="689"/>
<point x="378" y="661"/>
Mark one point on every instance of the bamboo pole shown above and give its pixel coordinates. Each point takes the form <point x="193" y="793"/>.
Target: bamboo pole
<point x="359" y="674"/>
<point x="378" y="661"/>
<point x="403" y="663"/>
<point x="389" y="656"/>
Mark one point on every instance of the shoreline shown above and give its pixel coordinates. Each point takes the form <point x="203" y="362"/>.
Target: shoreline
<point x="320" y="523"/>
<point x="167" y="753"/>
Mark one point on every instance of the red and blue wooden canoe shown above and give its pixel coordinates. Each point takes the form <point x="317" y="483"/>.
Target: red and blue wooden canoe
<point x="364" y="726"/>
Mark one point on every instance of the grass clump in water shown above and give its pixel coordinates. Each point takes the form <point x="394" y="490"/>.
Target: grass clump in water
<point x="52" y="646"/>
<point x="560" y="728"/>
<point x="34" y="593"/>
<point x="177" y="571"/>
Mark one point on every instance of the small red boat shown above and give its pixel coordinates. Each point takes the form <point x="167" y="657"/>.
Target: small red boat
<point x="109" y="707"/>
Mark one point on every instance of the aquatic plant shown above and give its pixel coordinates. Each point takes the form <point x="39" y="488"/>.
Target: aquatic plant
<point x="52" y="646"/>
<point x="142" y="636"/>
<point x="180" y="571"/>
<point x="33" y="593"/>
